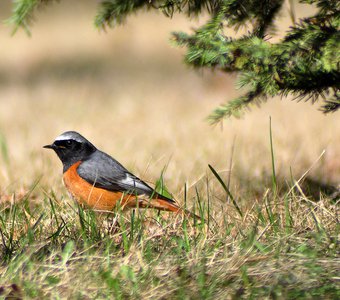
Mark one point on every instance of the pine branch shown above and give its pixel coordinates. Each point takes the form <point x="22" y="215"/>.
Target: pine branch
<point x="304" y="64"/>
<point x="324" y="5"/>
<point x="236" y="107"/>
<point x="23" y="13"/>
<point x="332" y="104"/>
<point x="113" y="12"/>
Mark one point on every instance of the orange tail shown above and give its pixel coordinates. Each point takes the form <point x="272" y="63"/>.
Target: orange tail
<point x="168" y="205"/>
<point x="162" y="204"/>
<point x="158" y="202"/>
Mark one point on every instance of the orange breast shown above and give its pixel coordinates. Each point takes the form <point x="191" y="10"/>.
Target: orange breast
<point x="88" y="194"/>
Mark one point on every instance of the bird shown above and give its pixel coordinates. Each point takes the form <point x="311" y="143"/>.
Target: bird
<point x="96" y="180"/>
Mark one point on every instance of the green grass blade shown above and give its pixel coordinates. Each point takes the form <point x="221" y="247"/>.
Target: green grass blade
<point x="4" y="149"/>
<point x="274" y="181"/>
<point x="226" y="189"/>
<point x="230" y="165"/>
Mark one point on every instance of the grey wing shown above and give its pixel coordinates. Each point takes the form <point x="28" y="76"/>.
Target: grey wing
<point x="102" y="171"/>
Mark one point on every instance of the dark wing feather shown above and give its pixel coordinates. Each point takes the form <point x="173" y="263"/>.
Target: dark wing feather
<point x="102" y="171"/>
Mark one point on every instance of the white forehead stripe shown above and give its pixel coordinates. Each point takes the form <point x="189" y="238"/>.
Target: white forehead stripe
<point x="68" y="136"/>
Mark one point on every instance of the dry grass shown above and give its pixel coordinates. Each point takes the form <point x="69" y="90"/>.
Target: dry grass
<point x="281" y="248"/>
<point x="129" y="93"/>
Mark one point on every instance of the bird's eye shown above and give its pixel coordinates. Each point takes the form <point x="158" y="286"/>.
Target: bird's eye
<point x="68" y="143"/>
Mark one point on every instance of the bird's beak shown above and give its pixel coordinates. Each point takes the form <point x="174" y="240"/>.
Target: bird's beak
<point x="49" y="146"/>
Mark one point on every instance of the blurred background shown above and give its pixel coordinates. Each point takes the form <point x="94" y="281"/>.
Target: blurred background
<point x="128" y="91"/>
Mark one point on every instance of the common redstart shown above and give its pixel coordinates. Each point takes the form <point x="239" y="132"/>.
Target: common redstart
<point x="98" y="181"/>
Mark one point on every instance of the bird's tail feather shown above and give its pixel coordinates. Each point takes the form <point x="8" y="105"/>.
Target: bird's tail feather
<point x="165" y="204"/>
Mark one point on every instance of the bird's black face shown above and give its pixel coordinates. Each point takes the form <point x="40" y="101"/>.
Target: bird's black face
<point x="71" y="151"/>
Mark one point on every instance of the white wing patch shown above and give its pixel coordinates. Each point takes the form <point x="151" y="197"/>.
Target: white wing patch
<point x="129" y="180"/>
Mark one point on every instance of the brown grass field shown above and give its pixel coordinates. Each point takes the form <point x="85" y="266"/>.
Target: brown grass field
<point x="128" y="91"/>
